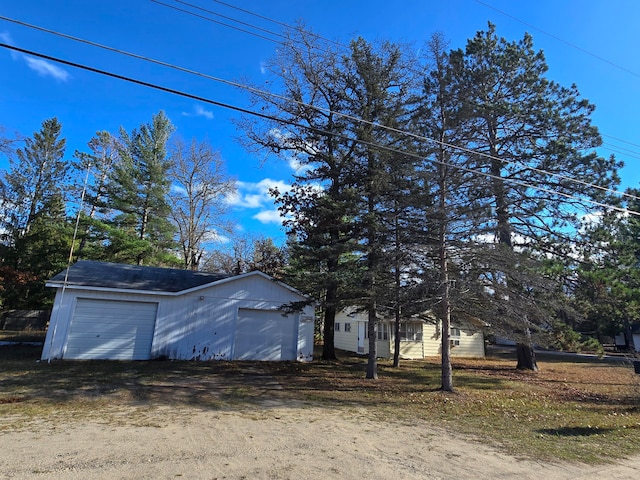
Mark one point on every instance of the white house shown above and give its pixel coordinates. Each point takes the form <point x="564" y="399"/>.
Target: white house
<point x="634" y="333"/>
<point x="126" y="312"/>
<point x="419" y="337"/>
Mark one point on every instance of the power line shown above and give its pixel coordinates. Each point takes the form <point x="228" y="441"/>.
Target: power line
<point x="628" y="153"/>
<point x="215" y="21"/>
<point x="277" y="22"/>
<point x="621" y="140"/>
<point x="555" y="37"/>
<point x="270" y="32"/>
<point x="325" y="110"/>
<point x="621" y="150"/>
<point x="632" y="153"/>
<point x="307" y="127"/>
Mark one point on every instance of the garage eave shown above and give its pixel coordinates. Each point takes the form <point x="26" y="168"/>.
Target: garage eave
<point x="110" y="289"/>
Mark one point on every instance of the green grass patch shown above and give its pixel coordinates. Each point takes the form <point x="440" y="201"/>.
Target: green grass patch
<point x="586" y="411"/>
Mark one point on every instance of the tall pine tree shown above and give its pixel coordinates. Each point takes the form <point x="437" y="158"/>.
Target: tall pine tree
<point x="35" y="239"/>
<point x="141" y="231"/>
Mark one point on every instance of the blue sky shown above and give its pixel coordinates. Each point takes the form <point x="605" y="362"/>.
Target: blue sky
<point x="590" y="43"/>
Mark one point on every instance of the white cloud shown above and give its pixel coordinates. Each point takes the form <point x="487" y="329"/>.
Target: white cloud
<point x="284" y="138"/>
<point x="199" y="111"/>
<point x="214" y="236"/>
<point x="178" y="190"/>
<point x="269" y="216"/>
<point x="255" y="195"/>
<point x="6" y="38"/>
<point x="38" y="65"/>
<point x="46" y="69"/>
<point x="202" y="112"/>
<point x="263" y="68"/>
<point x="298" y="167"/>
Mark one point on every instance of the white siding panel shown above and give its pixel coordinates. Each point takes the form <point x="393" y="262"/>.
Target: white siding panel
<point x="113" y="330"/>
<point x="265" y="335"/>
<point x="471" y="344"/>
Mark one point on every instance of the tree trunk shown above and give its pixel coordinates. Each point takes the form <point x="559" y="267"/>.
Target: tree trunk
<point x="328" y="334"/>
<point x="396" y="339"/>
<point x="447" y="371"/>
<point x="398" y="286"/>
<point x="628" y="337"/>
<point x="526" y="357"/>
<point x="372" y="364"/>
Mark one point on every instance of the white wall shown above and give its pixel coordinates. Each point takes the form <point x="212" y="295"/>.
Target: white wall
<point x="471" y="341"/>
<point x="199" y="325"/>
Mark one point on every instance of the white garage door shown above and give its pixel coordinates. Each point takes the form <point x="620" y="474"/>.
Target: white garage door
<point x="111" y="330"/>
<point x="265" y="335"/>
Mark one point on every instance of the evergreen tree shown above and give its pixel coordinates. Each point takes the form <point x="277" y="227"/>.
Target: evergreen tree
<point x="606" y="288"/>
<point x="450" y="203"/>
<point x="141" y="231"/>
<point x="309" y="132"/>
<point x="268" y="258"/>
<point x="36" y="178"/>
<point x="95" y="167"/>
<point x="378" y="83"/>
<point x="531" y="137"/>
<point x="35" y="242"/>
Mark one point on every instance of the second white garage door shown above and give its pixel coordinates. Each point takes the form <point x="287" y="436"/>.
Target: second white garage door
<point x="111" y="330"/>
<point x="265" y="335"/>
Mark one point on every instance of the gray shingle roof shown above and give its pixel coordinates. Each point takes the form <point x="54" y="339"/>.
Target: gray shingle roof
<point x="132" y="277"/>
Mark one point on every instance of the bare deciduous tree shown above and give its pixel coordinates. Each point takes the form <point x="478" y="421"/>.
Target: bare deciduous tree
<point x="199" y="185"/>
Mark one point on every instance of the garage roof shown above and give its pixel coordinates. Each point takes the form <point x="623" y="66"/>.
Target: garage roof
<point x="133" y="277"/>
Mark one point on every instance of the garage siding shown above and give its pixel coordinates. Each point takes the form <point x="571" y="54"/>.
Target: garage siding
<point x="109" y="329"/>
<point x="265" y="335"/>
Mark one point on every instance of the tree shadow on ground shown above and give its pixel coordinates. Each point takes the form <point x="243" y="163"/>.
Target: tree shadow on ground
<point x="575" y="431"/>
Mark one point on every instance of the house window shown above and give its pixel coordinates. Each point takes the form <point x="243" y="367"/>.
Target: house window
<point x="410" y="332"/>
<point x="381" y="329"/>
<point x="347" y="327"/>
<point x="337" y="327"/>
<point x="454" y="337"/>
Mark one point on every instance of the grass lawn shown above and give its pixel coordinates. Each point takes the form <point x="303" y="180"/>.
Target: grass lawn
<point x="569" y="410"/>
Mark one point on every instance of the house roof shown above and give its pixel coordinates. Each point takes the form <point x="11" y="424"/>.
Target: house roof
<point x="91" y="273"/>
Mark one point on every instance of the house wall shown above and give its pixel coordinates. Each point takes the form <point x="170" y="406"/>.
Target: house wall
<point x="620" y="341"/>
<point x="348" y="341"/>
<point x="199" y="325"/>
<point x="409" y="350"/>
<point x="344" y="340"/>
<point x="471" y="341"/>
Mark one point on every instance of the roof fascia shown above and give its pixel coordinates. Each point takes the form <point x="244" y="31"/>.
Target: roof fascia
<point x="112" y="290"/>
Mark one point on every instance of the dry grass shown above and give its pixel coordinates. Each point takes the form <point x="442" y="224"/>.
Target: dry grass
<point x="567" y="411"/>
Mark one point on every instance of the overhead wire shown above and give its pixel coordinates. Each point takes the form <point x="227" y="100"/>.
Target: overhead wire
<point x="277" y="22"/>
<point x="221" y="23"/>
<point x="621" y="140"/>
<point x="270" y="32"/>
<point x="628" y="152"/>
<point x="555" y="37"/>
<point x="632" y="154"/>
<point x="308" y="127"/>
<point x="322" y="109"/>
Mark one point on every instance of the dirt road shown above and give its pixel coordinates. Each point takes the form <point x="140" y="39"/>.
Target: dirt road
<point x="265" y="443"/>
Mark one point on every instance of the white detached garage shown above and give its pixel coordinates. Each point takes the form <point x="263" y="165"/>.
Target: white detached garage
<point x="125" y="312"/>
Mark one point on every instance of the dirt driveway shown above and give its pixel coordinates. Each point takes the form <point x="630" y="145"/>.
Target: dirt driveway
<point x="268" y="442"/>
